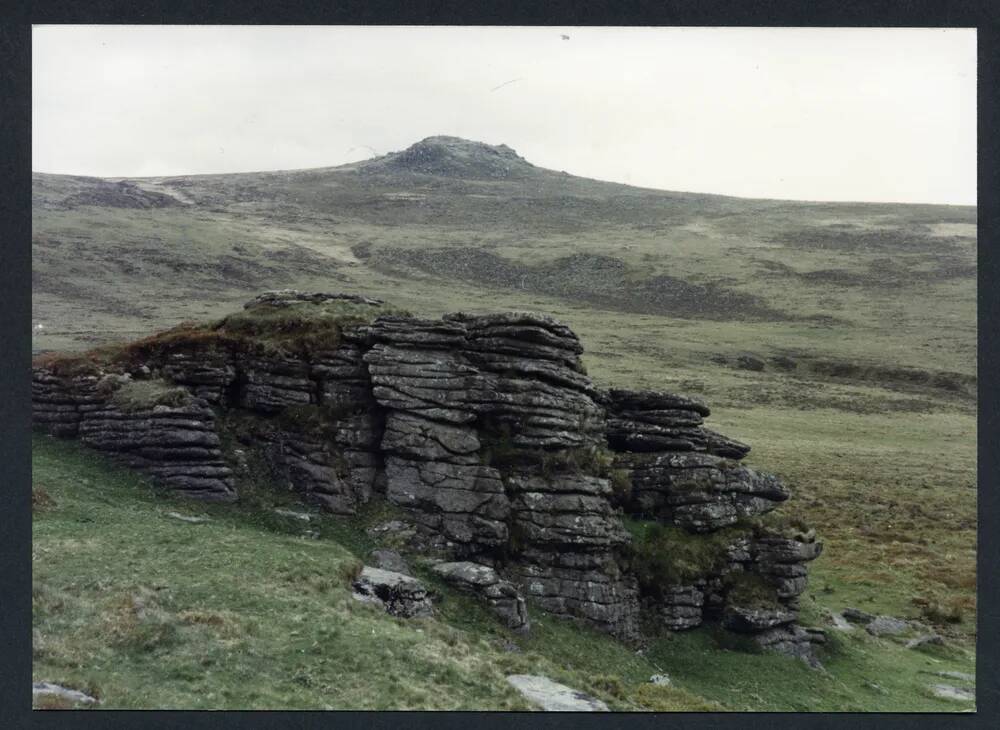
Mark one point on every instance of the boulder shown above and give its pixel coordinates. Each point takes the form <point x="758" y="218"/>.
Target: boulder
<point x="48" y="689"/>
<point x="400" y="595"/>
<point x="501" y="595"/>
<point x="887" y="626"/>
<point x="756" y="619"/>
<point x="390" y="560"/>
<point x="554" y="697"/>
<point x="949" y="692"/>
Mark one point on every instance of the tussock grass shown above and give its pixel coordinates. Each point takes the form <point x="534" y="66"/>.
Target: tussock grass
<point x="662" y="556"/>
<point x="140" y="395"/>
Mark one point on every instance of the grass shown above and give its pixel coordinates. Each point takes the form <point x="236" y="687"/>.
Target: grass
<point x="137" y="395"/>
<point x="247" y="612"/>
<point x="664" y="556"/>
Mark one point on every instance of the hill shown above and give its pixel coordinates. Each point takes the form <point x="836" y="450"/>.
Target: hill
<point x="839" y="338"/>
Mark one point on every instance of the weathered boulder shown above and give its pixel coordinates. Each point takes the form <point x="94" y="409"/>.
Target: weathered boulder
<point x="386" y="559"/>
<point x="755" y="619"/>
<point x="554" y="697"/>
<point x="790" y="640"/>
<point x="399" y="594"/>
<point x="48" y="689"/>
<point x="501" y="595"/>
<point x="887" y="626"/>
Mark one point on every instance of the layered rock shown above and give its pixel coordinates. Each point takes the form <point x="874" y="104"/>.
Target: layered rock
<point x="484" y="429"/>
<point x="56" y="400"/>
<point x="564" y="546"/>
<point x="176" y="444"/>
<point x="687" y="477"/>
<point x="473" y="406"/>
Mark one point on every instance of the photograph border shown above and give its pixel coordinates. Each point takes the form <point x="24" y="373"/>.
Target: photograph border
<point x="15" y="348"/>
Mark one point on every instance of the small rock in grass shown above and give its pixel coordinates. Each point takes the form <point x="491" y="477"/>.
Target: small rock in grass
<point x="47" y="689"/>
<point x="293" y="514"/>
<point x="662" y="680"/>
<point x="961" y="676"/>
<point x="876" y="687"/>
<point x="840" y="623"/>
<point x="401" y="595"/>
<point x="935" y="639"/>
<point x="187" y="518"/>
<point x="947" y="692"/>
<point x="554" y="697"/>
<point x="887" y="626"/>
<point x="857" y="616"/>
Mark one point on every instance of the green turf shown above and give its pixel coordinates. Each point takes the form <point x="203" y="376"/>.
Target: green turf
<point x="245" y="611"/>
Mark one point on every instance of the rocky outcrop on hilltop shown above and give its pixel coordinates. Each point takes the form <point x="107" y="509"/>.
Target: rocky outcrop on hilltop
<point x="453" y="157"/>
<point x="527" y="485"/>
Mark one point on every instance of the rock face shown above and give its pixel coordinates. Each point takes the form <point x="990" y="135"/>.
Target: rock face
<point x="482" y="415"/>
<point x="483" y="429"/>
<point x="177" y="445"/>
<point x="679" y="474"/>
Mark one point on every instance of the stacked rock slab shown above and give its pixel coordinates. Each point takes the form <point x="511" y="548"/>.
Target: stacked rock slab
<point x="177" y="444"/>
<point x="474" y="405"/>
<point x="688" y="477"/>
<point x="485" y="429"/>
<point x="318" y="423"/>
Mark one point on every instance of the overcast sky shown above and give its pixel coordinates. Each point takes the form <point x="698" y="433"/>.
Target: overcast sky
<point x="812" y="114"/>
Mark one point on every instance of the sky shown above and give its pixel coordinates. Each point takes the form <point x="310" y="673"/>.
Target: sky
<point x="885" y="115"/>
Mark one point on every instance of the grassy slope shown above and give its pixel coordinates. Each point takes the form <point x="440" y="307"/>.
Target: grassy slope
<point x="883" y="467"/>
<point x="245" y="611"/>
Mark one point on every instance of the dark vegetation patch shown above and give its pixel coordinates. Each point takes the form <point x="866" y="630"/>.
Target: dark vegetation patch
<point x="602" y="281"/>
<point x="748" y="590"/>
<point x="121" y="194"/>
<point x="882" y="272"/>
<point x="662" y="556"/>
<point x="895" y="377"/>
<point x="890" y="377"/>
<point x="847" y="237"/>
<point x="499" y="451"/>
<point x="41" y="499"/>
